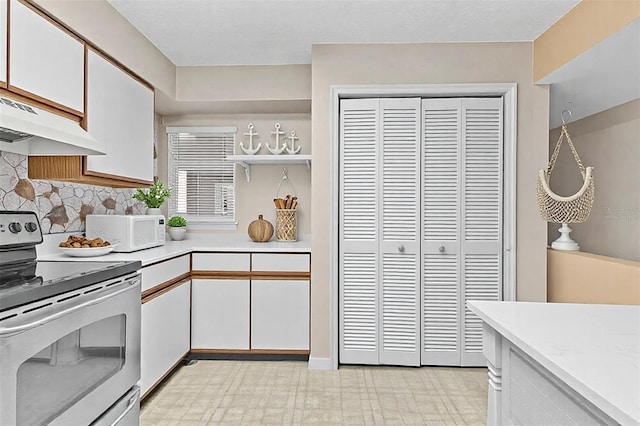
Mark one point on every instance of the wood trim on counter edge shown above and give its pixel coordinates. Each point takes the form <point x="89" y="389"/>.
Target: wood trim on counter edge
<point x="218" y="275"/>
<point x="160" y="289"/>
<point x="248" y="275"/>
<point x="280" y="275"/>
<point x="164" y="376"/>
<point x="253" y="351"/>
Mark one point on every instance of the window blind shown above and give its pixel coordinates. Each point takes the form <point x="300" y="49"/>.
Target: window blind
<point x="202" y="181"/>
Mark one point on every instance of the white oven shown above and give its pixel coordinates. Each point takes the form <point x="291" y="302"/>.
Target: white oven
<point x="69" y="359"/>
<point x="130" y="232"/>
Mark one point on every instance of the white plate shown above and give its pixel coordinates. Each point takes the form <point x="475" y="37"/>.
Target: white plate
<point x="87" y="252"/>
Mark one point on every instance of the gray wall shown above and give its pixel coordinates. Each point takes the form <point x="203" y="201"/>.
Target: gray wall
<point x="610" y="142"/>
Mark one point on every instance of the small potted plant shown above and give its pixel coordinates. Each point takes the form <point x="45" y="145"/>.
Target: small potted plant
<point x="153" y="197"/>
<point x="177" y="227"/>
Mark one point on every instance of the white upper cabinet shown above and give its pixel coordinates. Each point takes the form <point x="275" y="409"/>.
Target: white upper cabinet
<point x="45" y="61"/>
<point x="120" y="114"/>
<point x="3" y="43"/>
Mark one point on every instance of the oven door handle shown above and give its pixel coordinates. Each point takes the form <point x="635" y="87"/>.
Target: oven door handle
<point x="133" y="400"/>
<point x="9" y="331"/>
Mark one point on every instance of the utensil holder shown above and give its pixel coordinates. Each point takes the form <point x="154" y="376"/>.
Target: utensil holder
<point x="286" y="225"/>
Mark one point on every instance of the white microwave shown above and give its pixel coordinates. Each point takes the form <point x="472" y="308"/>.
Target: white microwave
<point x="131" y="233"/>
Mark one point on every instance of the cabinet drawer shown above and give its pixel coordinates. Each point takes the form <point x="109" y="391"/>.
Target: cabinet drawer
<point x="221" y="262"/>
<point x="164" y="271"/>
<point x="280" y="262"/>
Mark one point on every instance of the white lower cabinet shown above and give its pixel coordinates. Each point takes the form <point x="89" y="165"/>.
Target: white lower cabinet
<point x="220" y="314"/>
<point x="280" y="314"/>
<point x="165" y="333"/>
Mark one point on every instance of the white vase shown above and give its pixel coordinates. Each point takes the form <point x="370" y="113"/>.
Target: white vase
<point x="154" y="211"/>
<point x="177" y="233"/>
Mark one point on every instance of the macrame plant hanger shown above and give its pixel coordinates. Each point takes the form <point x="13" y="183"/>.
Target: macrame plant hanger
<point x="572" y="209"/>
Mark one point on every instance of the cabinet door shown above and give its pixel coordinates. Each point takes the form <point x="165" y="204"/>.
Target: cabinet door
<point x="45" y="60"/>
<point x="120" y="114"/>
<point x="3" y="43"/>
<point x="280" y="314"/>
<point x="220" y="314"/>
<point x="165" y="333"/>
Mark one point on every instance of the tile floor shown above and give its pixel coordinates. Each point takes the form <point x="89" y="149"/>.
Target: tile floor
<point x="286" y="392"/>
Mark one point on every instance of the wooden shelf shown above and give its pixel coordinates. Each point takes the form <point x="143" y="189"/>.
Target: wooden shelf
<point x="246" y="161"/>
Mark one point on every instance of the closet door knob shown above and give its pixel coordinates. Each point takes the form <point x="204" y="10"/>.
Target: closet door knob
<point x="401" y="249"/>
<point x="441" y="249"/>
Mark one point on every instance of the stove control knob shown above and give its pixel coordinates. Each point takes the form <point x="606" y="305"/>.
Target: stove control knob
<point x="31" y="226"/>
<point x="15" y="227"/>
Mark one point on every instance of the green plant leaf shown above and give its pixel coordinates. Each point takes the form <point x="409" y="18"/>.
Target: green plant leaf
<point x="154" y="196"/>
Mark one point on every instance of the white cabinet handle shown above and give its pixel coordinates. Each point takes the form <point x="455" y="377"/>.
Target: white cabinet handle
<point x="441" y="249"/>
<point x="401" y="249"/>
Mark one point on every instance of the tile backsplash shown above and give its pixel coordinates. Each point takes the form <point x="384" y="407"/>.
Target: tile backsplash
<point x="60" y="206"/>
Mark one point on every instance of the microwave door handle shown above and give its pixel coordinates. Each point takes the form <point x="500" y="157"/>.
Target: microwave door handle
<point x="9" y="331"/>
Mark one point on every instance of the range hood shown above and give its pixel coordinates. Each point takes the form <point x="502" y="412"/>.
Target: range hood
<point x="28" y="130"/>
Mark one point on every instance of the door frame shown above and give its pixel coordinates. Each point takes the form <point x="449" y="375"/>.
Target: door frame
<point x="508" y="91"/>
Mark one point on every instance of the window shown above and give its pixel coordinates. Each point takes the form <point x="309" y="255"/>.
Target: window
<point x="202" y="182"/>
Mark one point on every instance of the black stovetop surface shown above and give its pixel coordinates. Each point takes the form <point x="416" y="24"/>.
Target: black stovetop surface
<point x="27" y="282"/>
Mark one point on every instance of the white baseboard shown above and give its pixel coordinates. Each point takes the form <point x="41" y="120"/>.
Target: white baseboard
<point x="320" y="364"/>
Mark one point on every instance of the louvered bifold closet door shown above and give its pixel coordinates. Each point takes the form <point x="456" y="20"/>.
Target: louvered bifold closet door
<point x="399" y="288"/>
<point x="441" y="155"/>
<point x="358" y="243"/>
<point x="482" y="139"/>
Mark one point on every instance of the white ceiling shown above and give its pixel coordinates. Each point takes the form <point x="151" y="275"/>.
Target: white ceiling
<point x="273" y="32"/>
<point x="267" y="32"/>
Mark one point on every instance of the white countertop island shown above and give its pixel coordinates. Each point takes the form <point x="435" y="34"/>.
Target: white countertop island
<point x="558" y="363"/>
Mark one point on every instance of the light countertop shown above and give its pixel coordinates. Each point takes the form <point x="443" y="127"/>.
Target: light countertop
<point x="197" y="242"/>
<point x="595" y="349"/>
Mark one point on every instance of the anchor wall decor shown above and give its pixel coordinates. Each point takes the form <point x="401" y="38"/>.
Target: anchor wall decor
<point x="277" y="150"/>
<point x="293" y="138"/>
<point x="250" y="150"/>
